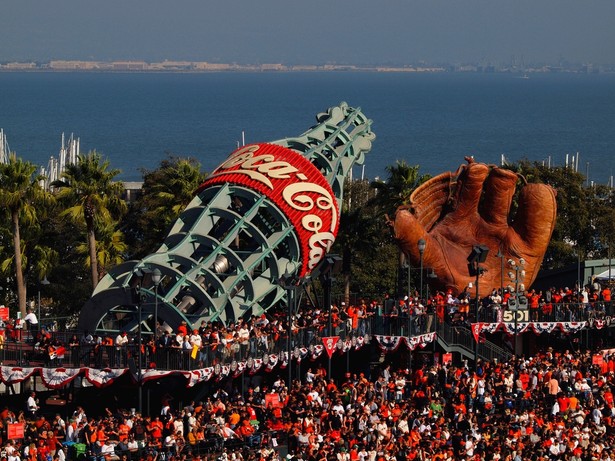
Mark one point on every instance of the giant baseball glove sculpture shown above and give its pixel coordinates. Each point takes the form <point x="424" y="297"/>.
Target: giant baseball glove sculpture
<point x="455" y="212"/>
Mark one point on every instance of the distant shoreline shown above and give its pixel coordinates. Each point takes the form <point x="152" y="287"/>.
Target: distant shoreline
<point x="207" y="67"/>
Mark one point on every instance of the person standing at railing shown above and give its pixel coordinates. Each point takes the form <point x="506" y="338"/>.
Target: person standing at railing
<point x="32" y="324"/>
<point x="165" y="340"/>
<point x="244" y="340"/>
<point x="73" y="344"/>
<point x="214" y="344"/>
<point x="605" y="294"/>
<point x="262" y="340"/>
<point x="121" y="345"/>
<point x="429" y="316"/>
<point x="362" y="318"/>
<point x="86" y="344"/>
<point x="534" y="301"/>
<point x="196" y="342"/>
<point x="186" y="354"/>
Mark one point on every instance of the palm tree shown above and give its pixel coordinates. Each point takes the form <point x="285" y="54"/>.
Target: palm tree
<point x="110" y="248"/>
<point x="402" y="181"/>
<point x="181" y="178"/>
<point x="46" y="259"/>
<point x="20" y="191"/>
<point x="165" y="193"/>
<point x="356" y="234"/>
<point x="93" y="199"/>
<point x="395" y="192"/>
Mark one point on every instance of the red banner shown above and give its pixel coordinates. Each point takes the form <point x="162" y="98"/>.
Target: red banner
<point x="273" y="401"/>
<point x="330" y="342"/>
<point x="597" y="359"/>
<point x="4" y="313"/>
<point x="447" y="358"/>
<point x="15" y="431"/>
<point x="476" y="329"/>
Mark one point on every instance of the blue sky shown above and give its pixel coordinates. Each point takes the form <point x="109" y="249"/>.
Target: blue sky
<point x="310" y="32"/>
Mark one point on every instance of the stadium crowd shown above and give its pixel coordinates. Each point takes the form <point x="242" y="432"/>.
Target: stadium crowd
<point x="552" y="406"/>
<point x="203" y="345"/>
<point x="555" y="405"/>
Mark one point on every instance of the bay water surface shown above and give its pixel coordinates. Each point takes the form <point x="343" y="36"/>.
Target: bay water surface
<point x="432" y="120"/>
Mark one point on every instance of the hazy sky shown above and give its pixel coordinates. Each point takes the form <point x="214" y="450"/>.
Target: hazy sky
<point x="310" y="31"/>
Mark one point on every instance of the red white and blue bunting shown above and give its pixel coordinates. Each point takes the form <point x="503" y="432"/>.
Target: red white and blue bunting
<point x="511" y="328"/>
<point x="198" y="376"/>
<point x="391" y="343"/>
<point x="420" y="341"/>
<point x="103" y="377"/>
<point x="57" y="378"/>
<point x="237" y="368"/>
<point x="12" y="375"/>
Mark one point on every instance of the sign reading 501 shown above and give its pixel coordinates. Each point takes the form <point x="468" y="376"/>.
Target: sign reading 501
<point x="510" y="316"/>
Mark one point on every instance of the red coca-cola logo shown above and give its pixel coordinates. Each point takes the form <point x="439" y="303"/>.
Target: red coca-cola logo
<point x="295" y="185"/>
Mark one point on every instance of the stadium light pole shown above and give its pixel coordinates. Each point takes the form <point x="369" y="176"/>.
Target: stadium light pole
<point x="477" y="256"/>
<point x="421" y="247"/>
<point x="520" y="302"/>
<point x="288" y="281"/>
<point x="421" y="244"/>
<point x="156" y="277"/>
<point x="501" y="256"/>
<point x="609" y="278"/>
<point x="137" y="296"/>
<point x="140" y="355"/>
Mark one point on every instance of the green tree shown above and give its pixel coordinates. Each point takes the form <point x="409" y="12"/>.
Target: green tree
<point x="110" y="248"/>
<point x="45" y="259"/>
<point x="70" y="278"/>
<point x="20" y="192"/>
<point x="165" y="193"/>
<point x="574" y="231"/>
<point x="358" y="232"/>
<point x="93" y="200"/>
<point x="394" y="192"/>
<point x="603" y="219"/>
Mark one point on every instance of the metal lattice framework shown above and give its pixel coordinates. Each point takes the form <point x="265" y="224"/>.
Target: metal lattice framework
<point x="224" y="256"/>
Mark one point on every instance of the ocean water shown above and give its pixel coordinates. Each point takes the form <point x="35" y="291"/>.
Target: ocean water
<point x="431" y="120"/>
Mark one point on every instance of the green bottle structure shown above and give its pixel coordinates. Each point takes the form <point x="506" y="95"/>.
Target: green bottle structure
<point x="269" y="212"/>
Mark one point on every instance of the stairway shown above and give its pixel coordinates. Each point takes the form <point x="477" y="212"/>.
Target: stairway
<point x="459" y="338"/>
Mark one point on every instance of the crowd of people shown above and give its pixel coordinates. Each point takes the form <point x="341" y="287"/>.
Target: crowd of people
<point x="203" y="345"/>
<point x="551" y="406"/>
<point x="554" y="405"/>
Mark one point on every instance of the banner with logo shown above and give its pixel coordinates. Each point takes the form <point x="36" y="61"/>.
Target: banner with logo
<point x="330" y="342"/>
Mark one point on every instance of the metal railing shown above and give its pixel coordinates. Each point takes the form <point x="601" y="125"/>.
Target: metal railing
<point x="549" y="312"/>
<point x="23" y="348"/>
<point x="72" y="349"/>
<point x="460" y="337"/>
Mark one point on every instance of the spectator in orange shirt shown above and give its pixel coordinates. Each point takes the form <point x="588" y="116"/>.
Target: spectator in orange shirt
<point x="606" y="294"/>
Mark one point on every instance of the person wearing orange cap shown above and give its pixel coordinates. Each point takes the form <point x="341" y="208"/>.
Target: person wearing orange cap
<point x="196" y="341"/>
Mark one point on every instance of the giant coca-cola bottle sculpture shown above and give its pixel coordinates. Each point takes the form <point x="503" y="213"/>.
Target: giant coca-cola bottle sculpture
<point x="270" y="209"/>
